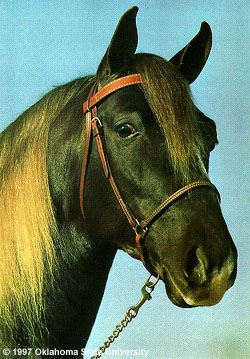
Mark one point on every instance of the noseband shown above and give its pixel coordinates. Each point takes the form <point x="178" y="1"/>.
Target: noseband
<point x="94" y="127"/>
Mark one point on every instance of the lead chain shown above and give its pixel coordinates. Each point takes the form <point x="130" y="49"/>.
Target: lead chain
<point x="115" y="334"/>
<point x="130" y="315"/>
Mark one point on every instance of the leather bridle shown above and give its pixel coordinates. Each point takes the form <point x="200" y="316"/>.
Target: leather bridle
<point x="95" y="127"/>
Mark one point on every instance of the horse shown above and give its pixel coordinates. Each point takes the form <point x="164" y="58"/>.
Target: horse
<point x="131" y="138"/>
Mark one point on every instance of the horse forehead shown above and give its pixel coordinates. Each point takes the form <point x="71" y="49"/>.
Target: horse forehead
<point x="127" y="99"/>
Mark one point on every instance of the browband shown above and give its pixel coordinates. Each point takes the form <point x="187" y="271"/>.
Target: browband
<point x="110" y="88"/>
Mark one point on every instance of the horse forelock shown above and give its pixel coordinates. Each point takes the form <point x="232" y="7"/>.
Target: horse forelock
<point x="169" y="97"/>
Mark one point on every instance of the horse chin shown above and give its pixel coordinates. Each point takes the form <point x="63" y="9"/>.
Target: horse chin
<point x="174" y="293"/>
<point x="176" y="298"/>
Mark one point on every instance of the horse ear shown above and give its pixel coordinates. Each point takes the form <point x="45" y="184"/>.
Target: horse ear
<point x="122" y="46"/>
<point x="192" y="58"/>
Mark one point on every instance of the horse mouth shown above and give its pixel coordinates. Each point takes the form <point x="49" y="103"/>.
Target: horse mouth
<point x="174" y="293"/>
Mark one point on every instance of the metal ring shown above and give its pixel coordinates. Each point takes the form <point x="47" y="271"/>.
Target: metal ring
<point x="152" y="284"/>
<point x="139" y="229"/>
<point x="96" y="118"/>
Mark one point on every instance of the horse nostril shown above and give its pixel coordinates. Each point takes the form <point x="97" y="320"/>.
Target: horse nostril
<point x="196" y="267"/>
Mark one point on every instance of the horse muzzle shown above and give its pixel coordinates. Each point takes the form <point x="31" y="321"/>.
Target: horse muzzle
<point x="200" y="286"/>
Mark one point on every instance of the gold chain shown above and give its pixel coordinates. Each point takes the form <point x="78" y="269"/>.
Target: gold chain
<point x="130" y="315"/>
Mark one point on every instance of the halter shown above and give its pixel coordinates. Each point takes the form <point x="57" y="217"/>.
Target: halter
<point x="94" y="127"/>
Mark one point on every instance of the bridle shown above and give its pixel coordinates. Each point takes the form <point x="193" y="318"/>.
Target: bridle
<point x="94" y="127"/>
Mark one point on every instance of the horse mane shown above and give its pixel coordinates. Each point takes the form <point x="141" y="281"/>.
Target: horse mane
<point x="28" y="230"/>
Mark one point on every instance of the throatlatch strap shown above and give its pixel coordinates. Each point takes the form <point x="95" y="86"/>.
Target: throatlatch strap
<point x="85" y="159"/>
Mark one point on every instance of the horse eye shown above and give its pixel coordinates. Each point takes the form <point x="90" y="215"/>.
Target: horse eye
<point x="125" y="130"/>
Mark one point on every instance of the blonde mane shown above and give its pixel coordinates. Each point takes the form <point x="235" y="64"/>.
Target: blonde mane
<point x="28" y="229"/>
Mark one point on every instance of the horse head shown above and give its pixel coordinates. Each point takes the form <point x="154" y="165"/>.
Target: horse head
<point x="156" y="142"/>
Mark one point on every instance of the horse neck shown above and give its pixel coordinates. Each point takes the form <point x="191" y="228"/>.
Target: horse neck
<point x="81" y="282"/>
